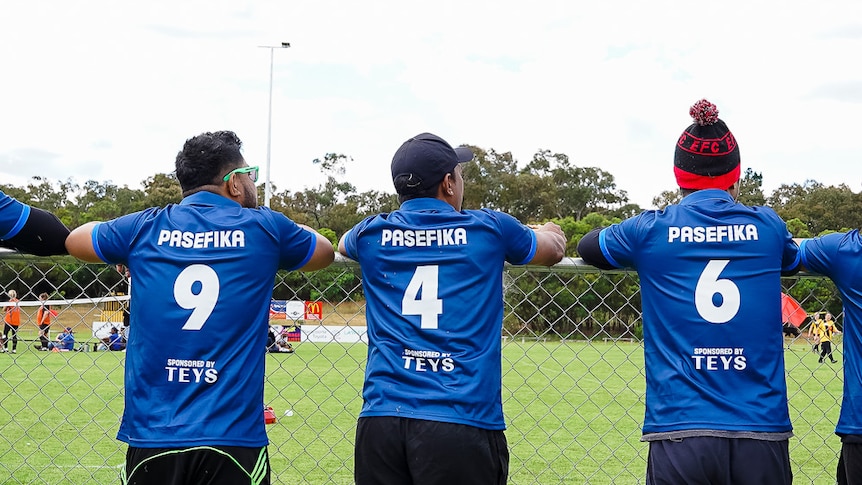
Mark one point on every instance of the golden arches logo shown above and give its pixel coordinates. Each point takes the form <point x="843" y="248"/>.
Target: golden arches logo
<point x="314" y="308"/>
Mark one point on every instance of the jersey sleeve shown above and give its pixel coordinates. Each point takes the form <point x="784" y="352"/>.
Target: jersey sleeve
<point x="815" y="253"/>
<point x="112" y="240"/>
<point x="13" y="215"/>
<point x="618" y="242"/>
<point x="41" y="234"/>
<point x="297" y="244"/>
<point x="519" y="240"/>
<point x="351" y="238"/>
<point x="790" y="256"/>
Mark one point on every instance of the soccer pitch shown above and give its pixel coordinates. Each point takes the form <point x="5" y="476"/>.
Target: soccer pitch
<point x="573" y="411"/>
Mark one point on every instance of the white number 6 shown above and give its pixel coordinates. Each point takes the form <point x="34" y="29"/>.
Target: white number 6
<point x="708" y="285"/>
<point x="201" y="303"/>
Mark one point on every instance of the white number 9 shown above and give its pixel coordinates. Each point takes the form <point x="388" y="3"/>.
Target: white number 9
<point x="708" y="285"/>
<point x="201" y="303"/>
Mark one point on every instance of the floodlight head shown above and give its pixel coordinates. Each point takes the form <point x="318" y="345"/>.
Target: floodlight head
<point x="285" y="44"/>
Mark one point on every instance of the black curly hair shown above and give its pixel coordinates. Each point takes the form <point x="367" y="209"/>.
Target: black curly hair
<point x="206" y="158"/>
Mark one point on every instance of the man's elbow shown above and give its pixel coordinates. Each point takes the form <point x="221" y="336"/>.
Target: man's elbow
<point x="323" y="256"/>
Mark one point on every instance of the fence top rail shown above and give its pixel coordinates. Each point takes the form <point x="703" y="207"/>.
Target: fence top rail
<point x="566" y="265"/>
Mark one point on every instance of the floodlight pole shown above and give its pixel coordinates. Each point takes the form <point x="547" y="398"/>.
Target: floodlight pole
<point x="268" y="187"/>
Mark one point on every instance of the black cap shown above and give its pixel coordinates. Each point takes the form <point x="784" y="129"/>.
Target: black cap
<point x="424" y="160"/>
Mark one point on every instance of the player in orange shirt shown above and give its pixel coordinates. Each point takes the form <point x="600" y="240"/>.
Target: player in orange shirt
<point x="12" y="318"/>
<point x="43" y="320"/>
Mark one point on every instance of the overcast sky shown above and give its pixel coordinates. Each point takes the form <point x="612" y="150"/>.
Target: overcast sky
<point x="110" y="89"/>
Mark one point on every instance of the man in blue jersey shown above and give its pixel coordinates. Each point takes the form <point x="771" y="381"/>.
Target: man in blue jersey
<point x="709" y="269"/>
<point x="432" y="274"/>
<point x="194" y="370"/>
<point x="839" y="256"/>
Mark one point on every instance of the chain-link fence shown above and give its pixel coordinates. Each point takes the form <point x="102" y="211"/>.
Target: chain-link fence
<point x="573" y="387"/>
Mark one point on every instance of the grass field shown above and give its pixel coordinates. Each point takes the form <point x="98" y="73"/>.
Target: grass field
<point x="574" y="412"/>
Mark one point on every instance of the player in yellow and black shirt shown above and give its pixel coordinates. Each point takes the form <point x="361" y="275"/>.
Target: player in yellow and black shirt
<point x="814" y="332"/>
<point x="827" y="328"/>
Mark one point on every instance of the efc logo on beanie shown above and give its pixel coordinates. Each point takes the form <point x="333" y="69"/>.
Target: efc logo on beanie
<point x="707" y="146"/>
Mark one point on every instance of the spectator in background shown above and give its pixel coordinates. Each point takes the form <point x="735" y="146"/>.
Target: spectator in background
<point x="65" y="341"/>
<point x="12" y="319"/>
<point x="126" y="329"/>
<point x="710" y="277"/>
<point x="43" y="321"/>
<point x="194" y="372"/>
<point x="276" y="342"/>
<point x="432" y="408"/>
<point x="114" y="341"/>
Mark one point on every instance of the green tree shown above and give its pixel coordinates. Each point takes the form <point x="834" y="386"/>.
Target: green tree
<point x="666" y="198"/>
<point x="162" y="189"/>
<point x="819" y="207"/>
<point x="549" y="186"/>
<point x="797" y="228"/>
<point x="490" y="181"/>
<point x="100" y="201"/>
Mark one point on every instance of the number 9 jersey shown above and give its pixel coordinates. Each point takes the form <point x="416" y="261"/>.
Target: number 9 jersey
<point x="710" y="278"/>
<point x="203" y="273"/>
<point x="433" y="285"/>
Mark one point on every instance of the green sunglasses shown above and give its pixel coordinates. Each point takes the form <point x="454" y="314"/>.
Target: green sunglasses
<point x="251" y="171"/>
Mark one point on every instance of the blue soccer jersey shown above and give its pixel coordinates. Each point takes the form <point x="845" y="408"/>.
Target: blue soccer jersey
<point x="13" y="216"/>
<point x="839" y="256"/>
<point x="709" y="272"/>
<point x="204" y="271"/>
<point x="433" y="285"/>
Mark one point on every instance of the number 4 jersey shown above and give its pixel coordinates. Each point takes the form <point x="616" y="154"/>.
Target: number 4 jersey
<point x="709" y="272"/>
<point x="433" y="285"/>
<point x="204" y="271"/>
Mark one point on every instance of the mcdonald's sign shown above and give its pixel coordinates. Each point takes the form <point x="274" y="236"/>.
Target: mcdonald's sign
<point x="313" y="310"/>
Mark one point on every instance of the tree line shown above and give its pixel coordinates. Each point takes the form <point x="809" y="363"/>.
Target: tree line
<point x="547" y="188"/>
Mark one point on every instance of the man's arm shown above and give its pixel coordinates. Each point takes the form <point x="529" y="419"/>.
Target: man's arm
<point x="80" y="243"/>
<point x="591" y="252"/>
<point x="342" y="247"/>
<point x="550" y="245"/>
<point x="42" y="235"/>
<point x="798" y="241"/>
<point x="323" y="255"/>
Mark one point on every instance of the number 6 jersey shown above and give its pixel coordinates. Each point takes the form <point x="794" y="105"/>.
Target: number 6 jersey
<point x="433" y="285"/>
<point x="709" y="272"/>
<point x="204" y="271"/>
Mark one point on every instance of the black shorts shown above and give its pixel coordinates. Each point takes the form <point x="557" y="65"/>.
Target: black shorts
<point x="850" y="463"/>
<point x="199" y="465"/>
<point x="730" y="461"/>
<point x="406" y="451"/>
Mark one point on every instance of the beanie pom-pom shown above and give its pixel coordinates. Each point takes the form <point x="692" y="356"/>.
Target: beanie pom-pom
<point x="704" y="113"/>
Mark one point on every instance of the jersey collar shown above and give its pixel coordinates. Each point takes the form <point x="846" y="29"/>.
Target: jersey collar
<point x="208" y="198"/>
<point x="706" y="194"/>
<point x="425" y="204"/>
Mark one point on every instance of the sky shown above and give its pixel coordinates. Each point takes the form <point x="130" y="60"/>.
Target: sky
<point x="108" y="90"/>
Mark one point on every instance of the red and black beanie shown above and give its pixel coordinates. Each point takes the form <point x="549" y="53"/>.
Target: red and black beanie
<point x="706" y="156"/>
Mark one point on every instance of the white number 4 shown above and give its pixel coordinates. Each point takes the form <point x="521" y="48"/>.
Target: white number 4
<point x="420" y="297"/>
<point x="708" y="285"/>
